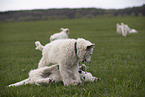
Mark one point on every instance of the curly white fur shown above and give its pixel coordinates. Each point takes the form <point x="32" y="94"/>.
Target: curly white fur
<point x="62" y="35"/>
<point x="41" y="75"/>
<point x="39" y="46"/>
<point x="87" y="76"/>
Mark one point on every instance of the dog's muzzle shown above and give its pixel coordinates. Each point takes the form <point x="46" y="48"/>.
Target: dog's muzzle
<point x="86" y="61"/>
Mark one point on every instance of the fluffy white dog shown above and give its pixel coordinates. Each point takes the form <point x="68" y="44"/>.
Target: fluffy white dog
<point x="51" y="74"/>
<point x="67" y="53"/>
<point x="62" y="35"/>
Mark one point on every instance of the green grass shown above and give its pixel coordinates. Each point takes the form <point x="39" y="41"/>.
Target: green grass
<point x="118" y="61"/>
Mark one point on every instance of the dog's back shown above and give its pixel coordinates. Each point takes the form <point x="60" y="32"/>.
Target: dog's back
<point x="58" y="51"/>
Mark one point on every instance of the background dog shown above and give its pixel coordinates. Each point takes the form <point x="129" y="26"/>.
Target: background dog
<point x="62" y="35"/>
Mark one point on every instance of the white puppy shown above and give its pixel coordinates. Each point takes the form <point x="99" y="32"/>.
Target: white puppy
<point x="62" y="35"/>
<point x="51" y="74"/>
<point x="67" y="53"/>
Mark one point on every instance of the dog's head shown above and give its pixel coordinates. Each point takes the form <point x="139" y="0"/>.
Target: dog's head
<point x="66" y="30"/>
<point x="89" y="52"/>
<point x="86" y="76"/>
<point x="85" y="50"/>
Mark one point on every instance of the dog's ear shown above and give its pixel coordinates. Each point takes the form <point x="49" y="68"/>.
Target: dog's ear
<point x="61" y="29"/>
<point x="67" y="30"/>
<point x="88" y="47"/>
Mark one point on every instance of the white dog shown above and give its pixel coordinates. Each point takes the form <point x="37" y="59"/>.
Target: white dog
<point x="67" y="53"/>
<point x="51" y="74"/>
<point x="62" y="35"/>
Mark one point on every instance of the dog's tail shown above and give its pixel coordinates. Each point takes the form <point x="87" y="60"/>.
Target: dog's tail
<point x="39" y="46"/>
<point x="23" y="82"/>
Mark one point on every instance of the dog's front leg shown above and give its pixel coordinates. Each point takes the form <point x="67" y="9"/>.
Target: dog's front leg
<point x="75" y="70"/>
<point x="65" y="76"/>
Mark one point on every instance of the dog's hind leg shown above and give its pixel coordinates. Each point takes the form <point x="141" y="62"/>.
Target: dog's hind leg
<point x="45" y="81"/>
<point x="23" y="82"/>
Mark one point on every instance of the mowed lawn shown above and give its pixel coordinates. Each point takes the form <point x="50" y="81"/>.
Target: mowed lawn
<point x="118" y="61"/>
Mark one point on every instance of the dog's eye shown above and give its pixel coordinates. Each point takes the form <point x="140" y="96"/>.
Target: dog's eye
<point x="80" y="71"/>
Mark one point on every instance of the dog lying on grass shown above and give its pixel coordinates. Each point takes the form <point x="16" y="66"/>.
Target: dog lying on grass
<point x="51" y="74"/>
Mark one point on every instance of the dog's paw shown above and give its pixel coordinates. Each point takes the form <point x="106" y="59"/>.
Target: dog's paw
<point x="9" y="86"/>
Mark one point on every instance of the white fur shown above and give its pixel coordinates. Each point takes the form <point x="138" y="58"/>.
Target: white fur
<point x="41" y="75"/>
<point x="119" y="28"/>
<point x="133" y="31"/>
<point x="87" y="76"/>
<point x="124" y="33"/>
<point x="62" y="35"/>
<point x="39" y="46"/>
<point x="62" y="52"/>
<point x="124" y="29"/>
<point x="51" y="74"/>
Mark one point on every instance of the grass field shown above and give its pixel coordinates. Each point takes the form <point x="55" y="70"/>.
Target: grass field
<point x="118" y="61"/>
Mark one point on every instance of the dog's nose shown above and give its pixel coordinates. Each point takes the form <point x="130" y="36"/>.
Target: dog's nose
<point x="80" y="71"/>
